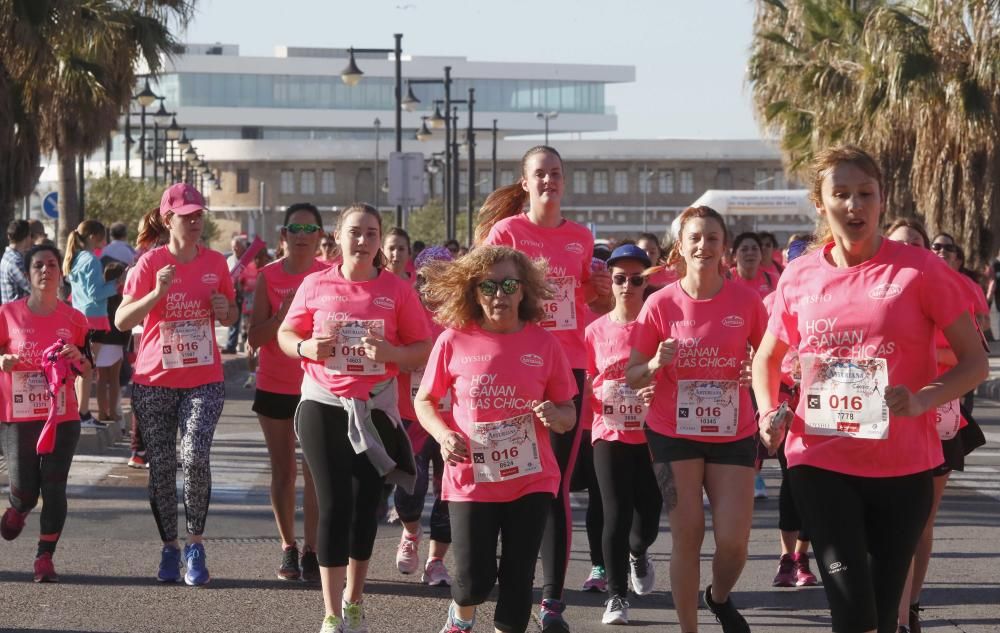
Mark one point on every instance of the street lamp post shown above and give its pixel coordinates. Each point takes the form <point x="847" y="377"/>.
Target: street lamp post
<point x="644" y="178"/>
<point x="439" y="121"/>
<point x="547" y="116"/>
<point x="378" y="133"/>
<point x="352" y="75"/>
<point x="494" y="154"/>
<point x="161" y="120"/>
<point x="471" y="139"/>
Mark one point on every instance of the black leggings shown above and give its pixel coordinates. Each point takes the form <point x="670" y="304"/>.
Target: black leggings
<point x="632" y="505"/>
<point x="411" y="506"/>
<point x="558" y="537"/>
<point x="864" y="532"/>
<point x="475" y="527"/>
<point x="348" y="488"/>
<point x="584" y="479"/>
<point x="789" y="519"/>
<point x="32" y="474"/>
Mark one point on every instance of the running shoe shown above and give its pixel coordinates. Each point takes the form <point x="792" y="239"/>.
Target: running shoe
<point x="87" y="421"/>
<point x="903" y="629"/>
<point x="641" y="575"/>
<point x="249" y="382"/>
<point x="45" y="571"/>
<point x="197" y="572"/>
<point x="170" y="564"/>
<point x="309" y="566"/>
<point x="803" y="575"/>
<point x="289" y="569"/>
<point x="332" y="624"/>
<point x="726" y="614"/>
<point x="552" y="618"/>
<point x="138" y="460"/>
<point x="616" y="611"/>
<point x="786" y="576"/>
<point x="454" y="625"/>
<point x="436" y="574"/>
<point x="915" y="617"/>
<point x="597" y="582"/>
<point x="11" y="524"/>
<point x="759" y="488"/>
<point x="354" y="618"/>
<point x="408" y="553"/>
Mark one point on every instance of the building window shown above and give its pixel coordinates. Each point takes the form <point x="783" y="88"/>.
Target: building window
<point x="687" y="181"/>
<point x="762" y="179"/>
<point x="600" y="181"/>
<point x="506" y="177"/>
<point x="242" y="181"/>
<point x="307" y="182"/>
<point x="621" y="181"/>
<point x="723" y="178"/>
<point x="667" y="181"/>
<point x="287" y="181"/>
<point x="328" y="184"/>
<point x="485" y="182"/>
<point x="646" y="181"/>
<point x="779" y="179"/>
<point x="579" y="181"/>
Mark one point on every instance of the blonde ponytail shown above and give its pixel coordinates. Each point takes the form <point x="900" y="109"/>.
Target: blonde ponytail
<point x="77" y="241"/>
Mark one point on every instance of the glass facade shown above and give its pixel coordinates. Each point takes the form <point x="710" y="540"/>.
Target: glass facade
<point x="245" y="90"/>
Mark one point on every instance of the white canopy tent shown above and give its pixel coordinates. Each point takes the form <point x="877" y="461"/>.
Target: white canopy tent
<point x="781" y="211"/>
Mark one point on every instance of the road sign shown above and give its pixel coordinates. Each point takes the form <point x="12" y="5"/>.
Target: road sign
<point x="406" y="179"/>
<point x="50" y="204"/>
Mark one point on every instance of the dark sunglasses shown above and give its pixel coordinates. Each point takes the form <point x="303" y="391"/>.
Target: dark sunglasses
<point x="295" y="229"/>
<point x="489" y="287"/>
<point x="635" y="280"/>
<point x="948" y="248"/>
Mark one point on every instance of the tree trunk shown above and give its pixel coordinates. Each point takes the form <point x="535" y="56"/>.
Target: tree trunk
<point x="6" y="215"/>
<point x="69" y="204"/>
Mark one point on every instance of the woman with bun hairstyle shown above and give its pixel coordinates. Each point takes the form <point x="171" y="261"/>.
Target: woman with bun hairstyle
<point x="861" y="311"/>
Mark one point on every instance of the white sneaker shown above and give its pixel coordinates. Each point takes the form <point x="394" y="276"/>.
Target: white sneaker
<point x="436" y="574"/>
<point x="408" y="553"/>
<point x="641" y="575"/>
<point x="354" y="618"/>
<point x="616" y="612"/>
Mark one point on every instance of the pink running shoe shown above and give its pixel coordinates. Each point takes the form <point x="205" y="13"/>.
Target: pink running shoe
<point x="786" y="576"/>
<point x="803" y="576"/>
<point x="408" y="553"/>
<point x="436" y="574"/>
<point x="11" y="524"/>
<point x="45" y="571"/>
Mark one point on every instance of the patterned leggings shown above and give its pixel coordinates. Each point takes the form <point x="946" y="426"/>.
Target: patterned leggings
<point x="161" y="410"/>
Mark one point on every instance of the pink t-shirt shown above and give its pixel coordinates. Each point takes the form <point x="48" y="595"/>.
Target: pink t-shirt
<point x="713" y="337"/>
<point x="495" y="377"/>
<point x="609" y="345"/>
<point x="386" y="301"/>
<point x="178" y="347"/>
<point x="23" y="390"/>
<point x="248" y="283"/>
<point x="663" y="277"/>
<point x="887" y="307"/>
<point x="763" y="284"/>
<point x="568" y="248"/>
<point x="586" y="420"/>
<point x="276" y="371"/>
<point x="408" y="383"/>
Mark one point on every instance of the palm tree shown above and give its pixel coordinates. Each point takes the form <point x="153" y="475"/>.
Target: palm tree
<point x="917" y="84"/>
<point x="72" y="70"/>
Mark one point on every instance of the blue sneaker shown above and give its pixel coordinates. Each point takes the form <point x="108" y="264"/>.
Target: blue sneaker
<point x="170" y="564"/>
<point x="759" y="488"/>
<point x="197" y="572"/>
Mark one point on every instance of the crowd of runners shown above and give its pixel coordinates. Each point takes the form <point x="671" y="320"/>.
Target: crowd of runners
<point x="499" y="378"/>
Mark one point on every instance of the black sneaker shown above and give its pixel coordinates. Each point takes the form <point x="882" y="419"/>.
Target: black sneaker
<point x="310" y="566"/>
<point x="915" y="617"/>
<point x="726" y="614"/>
<point x="289" y="569"/>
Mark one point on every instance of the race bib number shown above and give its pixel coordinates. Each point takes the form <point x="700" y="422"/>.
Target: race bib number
<point x="504" y="450"/>
<point x="621" y="408"/>
<point x="949" y="418"/>
<point x="349" y="356"/>
<point x="560" y="310"/>
<point x="187" y="343"/>
<point x="417" y="377"/>
<point x="31" y="396"/>
<point x="844" y="397"/>
<point x="708" y="407"/>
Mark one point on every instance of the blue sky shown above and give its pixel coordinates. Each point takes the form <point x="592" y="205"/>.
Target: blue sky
<point x="690" y="55"/>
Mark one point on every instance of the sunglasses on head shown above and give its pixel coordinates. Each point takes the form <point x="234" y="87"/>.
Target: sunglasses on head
<point x="295" y="229"/>
<point x="948" y="248"/>
<point x="489" y="288"/>
<point x="635" y="280"/>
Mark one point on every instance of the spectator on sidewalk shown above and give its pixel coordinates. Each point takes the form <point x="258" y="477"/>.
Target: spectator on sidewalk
<point x="38" y="233"/>
<point x="13" y="280"/>
<point x="239" y="246"/>
<point x="118" y="247"/>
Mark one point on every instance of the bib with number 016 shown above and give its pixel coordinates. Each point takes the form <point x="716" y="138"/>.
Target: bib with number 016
<point x="708" y="407"/>
<point x="948" y="418"/>
<point x="560" y="310"/>
<point x="348" y="356"/>
<point x="844" y="396"/>
<point x="621" y="408"/>
<point x="31" y="399"/>
<point x="417" y="377"/>
<point x="504" y="450"/>
<point x="187" y="343"/>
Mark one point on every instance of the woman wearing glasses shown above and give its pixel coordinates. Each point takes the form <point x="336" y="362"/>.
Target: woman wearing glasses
<point x="279" y="384"/>
<point x="692" y="339"/>
<point x="542" y="231"/>
<point x="511" y="384"/>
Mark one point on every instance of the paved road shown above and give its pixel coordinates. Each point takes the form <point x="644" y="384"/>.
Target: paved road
<point x="109" y="553"/>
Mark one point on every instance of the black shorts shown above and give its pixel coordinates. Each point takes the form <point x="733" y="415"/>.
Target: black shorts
<point x="279" y="406"/>
<point x="674" y="449"/>
<point x="969" y="438"/>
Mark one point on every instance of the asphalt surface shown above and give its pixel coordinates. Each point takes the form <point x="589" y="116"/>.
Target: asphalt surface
<point x="108" y="555"/>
